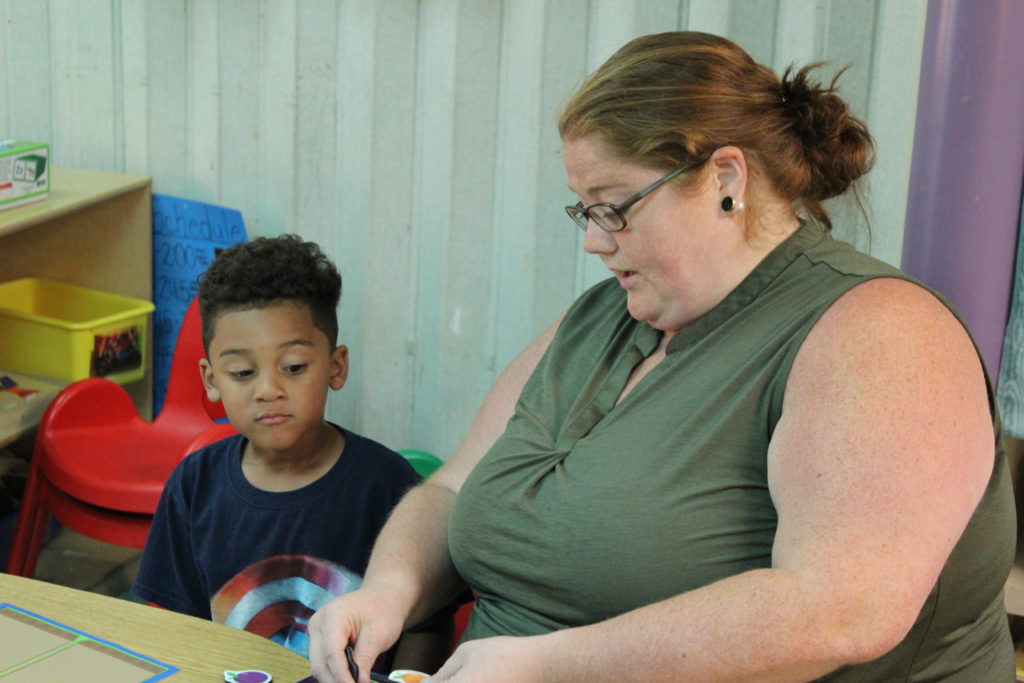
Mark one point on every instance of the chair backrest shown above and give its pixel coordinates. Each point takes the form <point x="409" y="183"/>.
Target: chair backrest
<point x="186" y="397"/>
<point x="424" y="463"/>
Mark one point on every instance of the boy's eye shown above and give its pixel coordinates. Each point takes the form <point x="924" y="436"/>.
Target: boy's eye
<point x="295" y="368"/>
<point x="240" y="374"/>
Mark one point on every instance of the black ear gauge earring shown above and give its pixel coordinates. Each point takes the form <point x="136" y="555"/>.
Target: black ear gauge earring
<point x="729" y="205"/>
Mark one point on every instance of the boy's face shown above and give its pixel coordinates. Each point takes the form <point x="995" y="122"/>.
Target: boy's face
<point x="272" y="367"/>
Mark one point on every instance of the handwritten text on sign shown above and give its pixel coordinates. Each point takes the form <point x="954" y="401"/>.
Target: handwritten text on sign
<point x="186" y="237"/>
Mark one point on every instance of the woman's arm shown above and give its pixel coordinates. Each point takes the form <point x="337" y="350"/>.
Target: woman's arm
<point x="410" y="574"/>
<point x="882" y="453"/>
<point x="425" y="650"/>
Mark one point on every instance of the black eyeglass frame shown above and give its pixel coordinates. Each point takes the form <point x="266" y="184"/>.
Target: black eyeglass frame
<point x="582" y="215"/>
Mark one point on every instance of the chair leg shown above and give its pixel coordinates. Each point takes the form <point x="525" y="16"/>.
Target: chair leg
<point x="39" y="527"/>
<point x="25" y="529"/>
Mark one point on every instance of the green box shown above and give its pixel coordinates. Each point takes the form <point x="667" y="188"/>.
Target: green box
<point x="24" y="172"/>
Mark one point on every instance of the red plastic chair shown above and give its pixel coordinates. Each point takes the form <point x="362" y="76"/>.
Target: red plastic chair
<point x="461" y="622"/>
<point x="99" y="468"/>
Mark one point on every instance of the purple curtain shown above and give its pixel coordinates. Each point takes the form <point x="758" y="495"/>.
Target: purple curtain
<point x="968" y="163"/>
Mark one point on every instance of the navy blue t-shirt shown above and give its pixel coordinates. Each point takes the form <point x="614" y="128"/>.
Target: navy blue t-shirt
<point x="263" y="561"/>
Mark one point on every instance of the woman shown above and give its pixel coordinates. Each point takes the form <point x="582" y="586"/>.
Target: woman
<point x="754" y="453"/>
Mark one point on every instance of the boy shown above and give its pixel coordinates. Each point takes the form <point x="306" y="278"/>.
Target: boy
<point x="260" y="529"/>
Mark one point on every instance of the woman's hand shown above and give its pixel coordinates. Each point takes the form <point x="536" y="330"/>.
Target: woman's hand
<point x="496" y="660"/>
<point x="368" y="618"/>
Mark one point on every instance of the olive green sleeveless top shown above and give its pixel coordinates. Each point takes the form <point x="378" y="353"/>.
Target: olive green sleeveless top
<point x="584" y="509"/>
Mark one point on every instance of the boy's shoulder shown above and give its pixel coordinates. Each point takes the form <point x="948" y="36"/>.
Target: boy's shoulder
<point x="375" y="456"/>
<point x="209" y="457"/>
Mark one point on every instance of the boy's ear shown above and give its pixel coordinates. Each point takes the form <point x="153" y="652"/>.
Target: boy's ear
<point x="338" y="367"/>
<point x="206" y="372"/>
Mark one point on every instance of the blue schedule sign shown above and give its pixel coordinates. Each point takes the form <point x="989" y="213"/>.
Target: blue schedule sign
<point x="187" y="236"/>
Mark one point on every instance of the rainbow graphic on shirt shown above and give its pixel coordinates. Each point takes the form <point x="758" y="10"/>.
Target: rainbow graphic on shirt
<point x="276" y="597"/>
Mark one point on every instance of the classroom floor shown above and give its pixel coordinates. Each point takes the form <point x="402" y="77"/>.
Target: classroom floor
<point x="70" y="559"/>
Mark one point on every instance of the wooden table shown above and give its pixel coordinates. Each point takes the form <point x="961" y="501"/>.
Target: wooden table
<point x="201" y="650"/>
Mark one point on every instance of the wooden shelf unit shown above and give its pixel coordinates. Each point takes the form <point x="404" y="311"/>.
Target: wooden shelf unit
<point x="94" y="230"/>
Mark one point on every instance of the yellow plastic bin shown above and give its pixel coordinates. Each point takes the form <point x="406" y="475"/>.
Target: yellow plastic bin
<point x="70" y="333"/>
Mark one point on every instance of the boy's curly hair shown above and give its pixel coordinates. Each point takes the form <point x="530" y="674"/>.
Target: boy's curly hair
<point x="267" y="271"/>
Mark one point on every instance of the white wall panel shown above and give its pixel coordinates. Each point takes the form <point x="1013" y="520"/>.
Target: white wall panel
<point x="25" y="74"/>
<point x="316" y="112"/>
<point x="202" y="93"/>
<point x="84" y="77"/>
<point x="7" y="69"/>
<point x="416" y="142"/>
<point x="348" y="241"/>
<point x="466" y="363"/>
<point x="798" y="35"/>
<point x="891" y="114"/>
<point x="388" y="322"/>
<point x="239" y="117"/>
<point x="516" y="178"/>
<point x="754" y="24"/>
<point x="559" y="255"/>
<point x="164" y="32"/>
<point x="277" y="180"/>
<point x="433" y="168"/>
<point x="133" y="154"/>
<point x="710" y="16"/>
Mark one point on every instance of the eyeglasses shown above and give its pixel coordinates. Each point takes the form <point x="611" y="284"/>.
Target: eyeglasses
<point x="611" y="217"/>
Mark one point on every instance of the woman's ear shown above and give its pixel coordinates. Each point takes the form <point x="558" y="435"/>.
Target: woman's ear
<point x="206" y="372"/>
<point x="339" y="367"/>
<point x="729" y="168"/>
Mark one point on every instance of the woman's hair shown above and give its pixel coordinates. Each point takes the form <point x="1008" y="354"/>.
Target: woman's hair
<point x="673" y="98"/>
<point x="268" y="271"/>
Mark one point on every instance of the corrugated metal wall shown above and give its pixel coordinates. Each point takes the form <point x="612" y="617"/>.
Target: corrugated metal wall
<point x="415" y="141"/>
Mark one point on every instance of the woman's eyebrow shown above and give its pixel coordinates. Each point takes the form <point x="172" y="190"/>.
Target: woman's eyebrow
<point x="598" y="189"/>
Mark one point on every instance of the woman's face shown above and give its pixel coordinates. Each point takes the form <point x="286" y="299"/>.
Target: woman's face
<point x="674" y="257"/>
